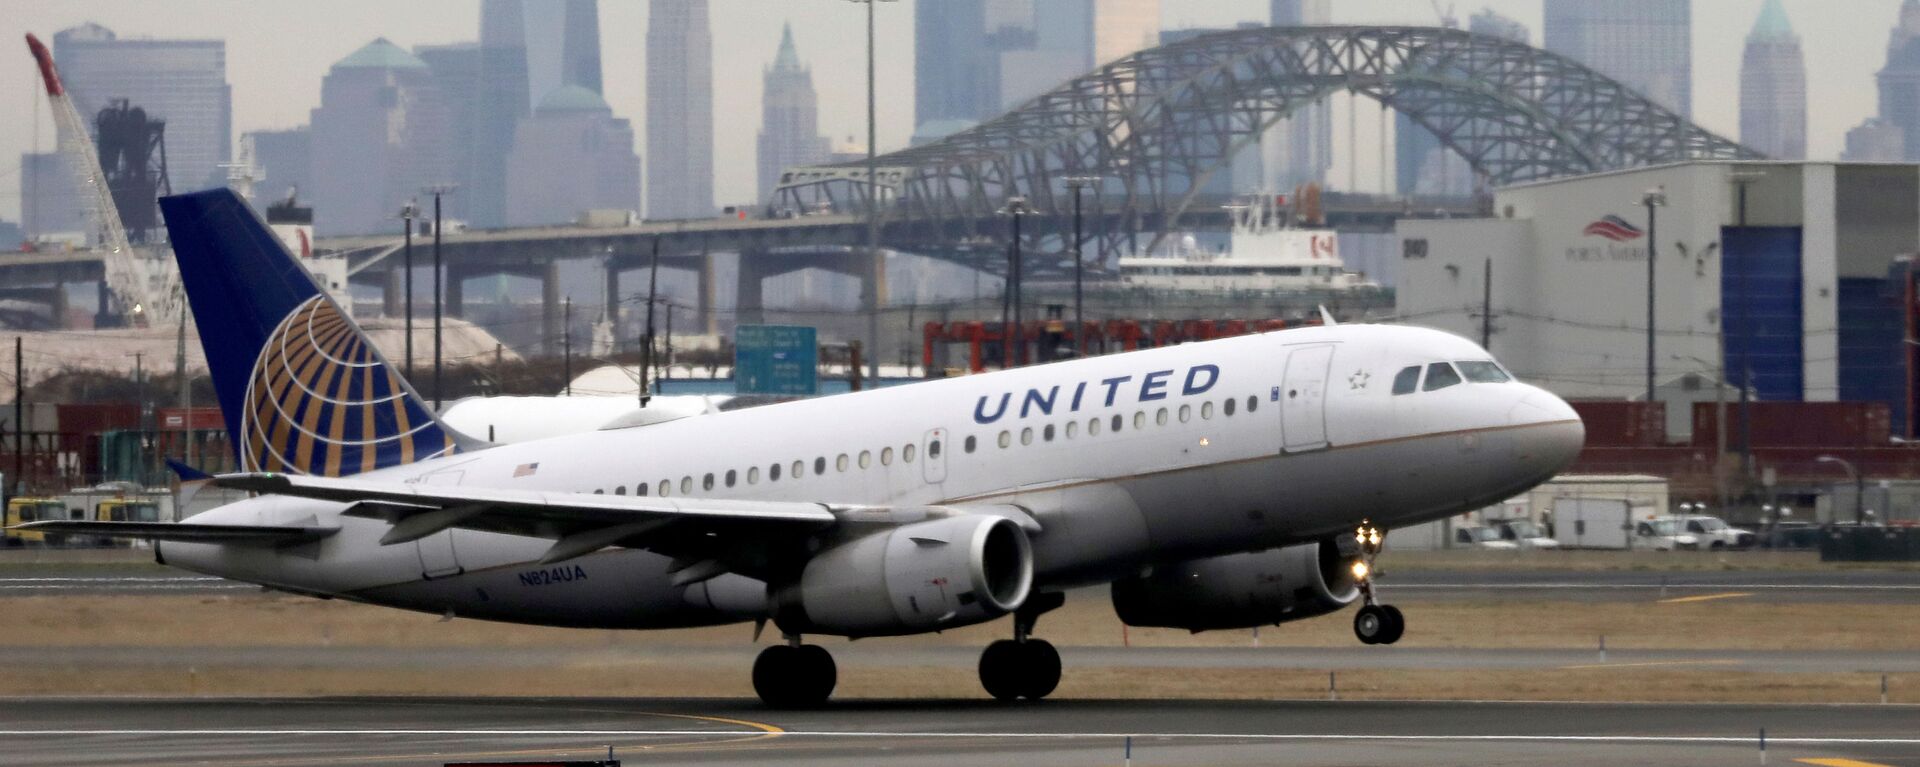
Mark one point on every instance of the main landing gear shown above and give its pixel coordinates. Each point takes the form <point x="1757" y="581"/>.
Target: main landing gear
<point x="1375" y="623"/>
<point x="794" y="675"/>
<point x="1023" y="667"/>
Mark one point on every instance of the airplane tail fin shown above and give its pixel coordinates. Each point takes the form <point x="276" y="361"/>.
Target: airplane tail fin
<point x="301" y="388"/>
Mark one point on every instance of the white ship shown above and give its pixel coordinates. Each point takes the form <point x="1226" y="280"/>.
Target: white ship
<point x="1264" y="253"/>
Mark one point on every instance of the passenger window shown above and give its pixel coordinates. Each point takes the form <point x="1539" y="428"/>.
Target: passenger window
<point x="820" y="466"/>
<point x="666" y="487"/>
<point x="1118" y="422"/>
<point x="1026" y="436"/>
<point x="971" y="442"/>
<point x="686" y="485"/>
<point x="799" y="470"/>
<point x="640" y="488"/>
<point x="1186" y="413"/>
<point x="886" y="456"/>
<point x="706" y="483"/>
<point x="1441" y="375"/>
<point x="1408" y="380"/>
<point x="599" y="491"/>
<point x="866" y="459"/>
<point x="753" y="475"/>
<point x="1227" y="406"/>
<point x="1160" y="418"/>
<point x="933" y="449"/>
<point x="1073" y="427"/>
<point x="1253" y="403"/>
<point x="907" y="453"/>
<point x="1139" y="420"/>
<point x="621" y="490"/>
<point x="1005" y="439"/>
<point x="730" y="477"/>
<point x="1206" y="410"/>
<point x="840" y="463"/>
<point x="1047" y="433"/>
<point x="1093" y="427"/>
<point x="1483" y="371"/>
<point x="773" y="473"/>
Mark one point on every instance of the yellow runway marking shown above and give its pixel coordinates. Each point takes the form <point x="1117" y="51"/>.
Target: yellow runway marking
<point x="1653" y="663"/>
<point x="1840" y="763"/>
<point x="1706" y="597"/>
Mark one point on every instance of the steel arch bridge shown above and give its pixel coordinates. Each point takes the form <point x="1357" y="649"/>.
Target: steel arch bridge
<point x="1156" y="125"/>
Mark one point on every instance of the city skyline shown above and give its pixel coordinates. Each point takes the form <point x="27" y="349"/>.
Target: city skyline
<point x="260" y="63"/>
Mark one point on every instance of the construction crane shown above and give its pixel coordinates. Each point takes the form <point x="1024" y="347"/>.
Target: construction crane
<point x="1447" y="19"/>
<point x="146" y="287"/>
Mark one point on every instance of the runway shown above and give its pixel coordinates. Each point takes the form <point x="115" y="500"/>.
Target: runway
<point x="425" y="731"/>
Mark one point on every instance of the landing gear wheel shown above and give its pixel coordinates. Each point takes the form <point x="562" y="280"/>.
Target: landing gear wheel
<point x="794" y="676"/>
<point x="1371" y="624"/>
<point x="1010" y="670"/>
<point x="1396" y="624"/>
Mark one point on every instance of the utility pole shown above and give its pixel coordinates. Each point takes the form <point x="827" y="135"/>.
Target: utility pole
<point x="646" y="348"/>
<point x="877" y="267"/>
<point x="19" y="415"/>
<point x="666" y="357"/>
<point x="1486" y="306"/>
<point x="1742" y="180"/>
<point x="566" y="342"/>
<point x="1017" y="208"/>
<point x="1653" y="199"/>
<point x="407" y="213"/>
<point x="438" y="191"/>
<point x="1076" y="183"/>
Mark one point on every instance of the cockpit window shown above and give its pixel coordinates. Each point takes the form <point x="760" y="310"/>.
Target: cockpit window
<point x="1483" y="371"/>
<point x="1408" y="381"/>
<point x="1441" y="375"/>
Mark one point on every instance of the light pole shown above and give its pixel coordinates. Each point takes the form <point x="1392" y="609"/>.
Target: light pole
<point x="1076" y="183"/>
<point x="1017" y="208"/>
<point x="407" y="214"/>
<point x="1720" y="419"/>
<point x="876" y="267"/>
<point x="438" y="191"/>
<point x="1743" y="179"/>
<point x="1859" y="487"/>
<point x="1652" y="198"/>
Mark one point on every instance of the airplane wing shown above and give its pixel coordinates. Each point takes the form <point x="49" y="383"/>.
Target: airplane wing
<point x="184" y="531"/>
<point x="708" y="536"/>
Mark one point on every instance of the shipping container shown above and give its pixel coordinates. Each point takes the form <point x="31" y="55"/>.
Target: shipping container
<point x="1620" y="423"/>
<point x="1798" y="424"/>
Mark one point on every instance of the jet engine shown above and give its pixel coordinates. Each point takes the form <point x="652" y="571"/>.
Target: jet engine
<point x="1241" y="590"/>
<point x="937" y="574"/>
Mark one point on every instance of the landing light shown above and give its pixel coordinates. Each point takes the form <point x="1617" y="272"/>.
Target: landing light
<point x="1361" y="571"/>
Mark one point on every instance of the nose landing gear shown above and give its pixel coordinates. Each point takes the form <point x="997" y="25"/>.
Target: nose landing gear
<point x="1375" y="623"/>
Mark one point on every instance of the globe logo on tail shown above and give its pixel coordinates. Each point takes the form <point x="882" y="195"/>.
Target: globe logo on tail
<point x="321" y="401"/>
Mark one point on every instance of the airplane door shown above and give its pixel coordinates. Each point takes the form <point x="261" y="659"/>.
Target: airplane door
<point x="437" y="556"/>
<point x="1303" y="399"/>
<point x="934" y="467"/>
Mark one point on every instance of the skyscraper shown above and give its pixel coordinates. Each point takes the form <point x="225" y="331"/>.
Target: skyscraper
<point x="502" y="99"/>
<point x="955" y="76"/>
<point x="789" y="117"/>
<point x="1773" y="87"/>
<point x="456" y="74"/>
<point x="381" y="127"/>
<point x="1422" y="166"/>
<point x="571" y="155"/>
<point x="182" y="82"/>
<point x="580" y="46"/>
<point x="679" y="110"/>
<point x="1647" y="44"/>
<point x="1299" y="149"/>
<point x="1900" y="85"/>
<point x="284" y="159"/>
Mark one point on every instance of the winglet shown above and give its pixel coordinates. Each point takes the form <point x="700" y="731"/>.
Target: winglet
<point x="186" y="473"/>
<point x="1326" y="317"/>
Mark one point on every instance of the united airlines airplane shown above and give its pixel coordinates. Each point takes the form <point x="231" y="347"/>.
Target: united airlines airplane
<point x="1233" y="483"/>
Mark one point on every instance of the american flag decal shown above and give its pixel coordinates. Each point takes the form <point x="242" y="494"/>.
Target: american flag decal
<point x="525" y="469"/>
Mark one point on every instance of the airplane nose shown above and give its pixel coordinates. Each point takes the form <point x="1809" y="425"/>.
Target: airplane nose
<point x="1557" y="433"/>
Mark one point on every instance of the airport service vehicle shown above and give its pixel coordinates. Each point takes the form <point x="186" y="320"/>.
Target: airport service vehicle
<point x="1482" y="537"/>
<point x="1593" y="523"/>
<point x="1233" y="483"/>
<point x="1523" y="533"/>
<point x="1715" y="533"/>
<point x="24" y="510"/>
<point x="1663" y="534"/>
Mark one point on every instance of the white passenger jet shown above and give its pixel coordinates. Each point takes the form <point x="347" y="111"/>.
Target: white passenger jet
<point x="1232" y="483"/>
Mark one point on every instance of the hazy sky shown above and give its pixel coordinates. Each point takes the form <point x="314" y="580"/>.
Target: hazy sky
<point x="278" y="51"/>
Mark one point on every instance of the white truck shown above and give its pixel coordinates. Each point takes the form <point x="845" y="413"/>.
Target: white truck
<point x="1593" y="523"/>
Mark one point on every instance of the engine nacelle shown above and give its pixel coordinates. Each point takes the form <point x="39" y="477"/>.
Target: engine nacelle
<point x="937" y="574"/>
<point x="1240" y="590"/>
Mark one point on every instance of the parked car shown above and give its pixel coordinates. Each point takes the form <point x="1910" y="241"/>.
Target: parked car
<point x="1523" y="533"/>
<point x="1715" y="533"/>
<point x="1477" y="537"/>
<point x="1663" y="534"/>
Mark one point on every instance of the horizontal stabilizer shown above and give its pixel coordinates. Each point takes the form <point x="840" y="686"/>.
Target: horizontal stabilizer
<point x="183" y="531"/>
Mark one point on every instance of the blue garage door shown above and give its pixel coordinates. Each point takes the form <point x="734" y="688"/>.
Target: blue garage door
<point x="1760" y="290"/>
